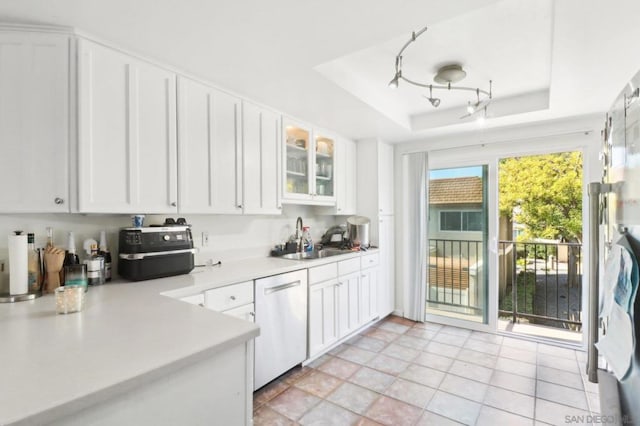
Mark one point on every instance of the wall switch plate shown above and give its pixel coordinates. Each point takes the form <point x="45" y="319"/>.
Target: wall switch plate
<point x="205" y="239"/>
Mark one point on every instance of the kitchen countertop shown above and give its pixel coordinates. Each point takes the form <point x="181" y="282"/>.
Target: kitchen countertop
<point x="128" y="334"/>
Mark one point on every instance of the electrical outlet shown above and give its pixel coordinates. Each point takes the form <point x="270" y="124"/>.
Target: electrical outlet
<point x="205" y="239"/>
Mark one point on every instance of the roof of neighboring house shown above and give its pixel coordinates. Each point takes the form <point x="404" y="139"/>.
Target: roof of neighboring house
<point x="463" y="190"/>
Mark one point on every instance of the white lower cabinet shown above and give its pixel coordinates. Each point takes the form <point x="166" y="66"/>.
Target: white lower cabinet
<point x="323" y="324"/>
<point x="343" y="297"/>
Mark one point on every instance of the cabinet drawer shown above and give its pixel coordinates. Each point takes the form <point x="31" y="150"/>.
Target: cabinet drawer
<point x="318" y="274"/>
<point x="370" y="260"/>
<point x="245" y="312"/>
<point x="348" y="266"/>
<point x="229" y="297"/>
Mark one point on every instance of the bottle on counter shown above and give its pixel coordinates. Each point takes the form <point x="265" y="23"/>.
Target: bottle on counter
<point x="70" y="256"/>
<point x="95" y="266"/>
<point x="306" y="239"/>
<point x="103" y="250"/>
<point x="33" y="264"/>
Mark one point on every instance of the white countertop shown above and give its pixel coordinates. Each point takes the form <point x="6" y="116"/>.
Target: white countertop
<point x="128" y="333"/>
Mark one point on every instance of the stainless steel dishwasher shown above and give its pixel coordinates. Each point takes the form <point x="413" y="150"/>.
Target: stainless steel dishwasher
<point x="281" y="313"/>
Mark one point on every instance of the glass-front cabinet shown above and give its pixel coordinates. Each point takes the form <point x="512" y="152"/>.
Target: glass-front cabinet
<point x="309" y="160"/>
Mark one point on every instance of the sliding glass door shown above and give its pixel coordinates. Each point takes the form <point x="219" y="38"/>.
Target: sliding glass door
<point x="458" y="263"/>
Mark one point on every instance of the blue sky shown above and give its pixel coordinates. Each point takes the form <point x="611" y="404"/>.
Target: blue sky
<point x="454" y="173"/>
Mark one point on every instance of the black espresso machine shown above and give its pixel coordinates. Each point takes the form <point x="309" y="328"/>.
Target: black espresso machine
<point x="155" y="252"/>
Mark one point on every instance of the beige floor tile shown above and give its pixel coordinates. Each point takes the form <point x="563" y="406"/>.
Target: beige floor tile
<point x="518" y="354"/>
<point x="565" y="364"/>
<point x="557" y="414"/>
<point x="423" y="375"/>
<point x="318" y="383"/>
<point x="394" y="327"/>
<point x="513" y="402"/>
<point x="370" y="344"/>
<point x="490" y="416"/>
<point x="388" y="365"/>
<point x="454" y="407"/>
<point x="389" y="411"/>
<point x="295" y="374"/>
<point x="562" y="395"/>
<point x="357" y="355"/>
<point x="353" y="397"/>
<point x="400" y="320"/>
<point x="411" y="342"/>
<point x="462" y="332"/>
<point x="268" y="392"/>
<point x="516" y="367"/>
<point x="442" y="349"/>
<point x="465" y="388"/>
<point x="514" y="382"/>
<point x="380" y="334"/>
<point x="428" y="326"/>
<point x="266" y="416"/>
<point x="430" y="360"/>
<point x="556" y="351"/>
<point x="293" y="403"/>
<point x="421" y="333"/>
<point x="560" y="377"/>
<point x="432" y="419"/>
<point x="449" y="339"/>
<point x="410" y="392"/>
<point x="401" y="352"/>
<point x="372" y="379"/>
<point x="340" y="368"/>
<point x="328" y="414"/>
<point x="476" y="357"/>
<point x="471" y="371"/>
<point x="487" y="337"/>
<point x="520" y="343"/>
<point x="482" y="346"/>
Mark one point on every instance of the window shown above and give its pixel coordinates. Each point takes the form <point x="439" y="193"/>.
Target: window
<point x="460" y="221"/>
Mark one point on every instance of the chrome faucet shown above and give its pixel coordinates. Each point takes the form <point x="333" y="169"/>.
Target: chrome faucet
<point x="299" y="227"/>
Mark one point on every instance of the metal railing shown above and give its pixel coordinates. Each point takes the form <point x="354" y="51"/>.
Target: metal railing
<point x="455" y="274"/>
<point x="541" y="282"/>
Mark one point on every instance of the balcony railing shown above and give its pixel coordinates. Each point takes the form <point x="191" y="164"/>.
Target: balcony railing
<point x="455" y="274"/>
<point x="541" y="282"/>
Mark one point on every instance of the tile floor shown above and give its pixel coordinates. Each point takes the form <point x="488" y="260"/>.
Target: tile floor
<point x="399" y="372"/>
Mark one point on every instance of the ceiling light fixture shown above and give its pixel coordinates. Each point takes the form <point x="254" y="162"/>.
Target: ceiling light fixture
<point x="445" y="77"/>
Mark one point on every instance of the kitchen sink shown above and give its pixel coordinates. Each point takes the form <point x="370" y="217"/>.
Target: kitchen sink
<point x="320" y="254"/>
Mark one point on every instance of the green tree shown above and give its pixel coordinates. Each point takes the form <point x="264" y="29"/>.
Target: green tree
<point x="544" y="193"/>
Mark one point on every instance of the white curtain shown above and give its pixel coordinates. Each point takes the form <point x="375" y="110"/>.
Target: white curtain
<point x="415" y="194"/>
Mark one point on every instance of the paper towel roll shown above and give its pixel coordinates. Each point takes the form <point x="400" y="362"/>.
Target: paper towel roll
<point x="18" y="264"/>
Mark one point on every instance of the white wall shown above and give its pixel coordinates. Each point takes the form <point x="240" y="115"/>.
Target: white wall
<point x="230" y="237"/>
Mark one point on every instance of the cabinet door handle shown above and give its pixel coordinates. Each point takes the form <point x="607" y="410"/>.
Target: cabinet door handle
<point x="239" y="206"/>
<point x="253" y="314"/>
<point x="232" y="297"/>
<point x="174" y="204"/>
<point x="58" y="200"/>
<point x="201" y="305"/>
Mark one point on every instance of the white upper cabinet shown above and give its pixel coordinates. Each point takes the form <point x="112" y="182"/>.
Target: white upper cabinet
<point x="34" y="122"/>
<point x="127" y="133"/>
<point x="308" y="165"/>
<point x="261" y="146"/>
<point x="385" y="178"/>
<point x="345" y="177"/>
<point x="209" y="149"/>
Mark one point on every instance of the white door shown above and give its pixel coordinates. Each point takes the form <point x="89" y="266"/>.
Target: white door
<point x="261" y="143"/>
<point x="34" y="122"/>
<point x="323" y="327"/>
<point x="210" y="149"/>
<point x="127" y="138"/>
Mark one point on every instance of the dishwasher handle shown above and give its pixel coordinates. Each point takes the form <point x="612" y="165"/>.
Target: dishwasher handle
<point x="281" y="287"/>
